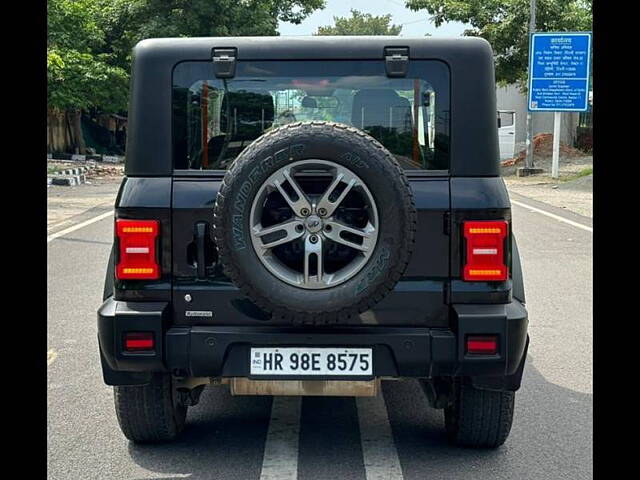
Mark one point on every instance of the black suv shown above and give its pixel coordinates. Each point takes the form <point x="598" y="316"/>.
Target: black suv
<point x="309" y="216"/>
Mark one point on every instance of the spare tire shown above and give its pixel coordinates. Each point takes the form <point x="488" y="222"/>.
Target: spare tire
<point x="315" y="222"/>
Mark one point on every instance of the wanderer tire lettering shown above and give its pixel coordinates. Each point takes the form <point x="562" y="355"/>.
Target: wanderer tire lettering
<point x="297" y="150"/>
<point x="376" y="269"/>
<point x="238" y="235"/>
<point x="355" y="160"/>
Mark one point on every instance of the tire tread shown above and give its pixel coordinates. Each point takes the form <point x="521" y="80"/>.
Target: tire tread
<point x="479" y="418"/>
<point x="147" y="414"/>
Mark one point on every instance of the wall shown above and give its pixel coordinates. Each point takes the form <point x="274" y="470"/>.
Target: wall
<point x="510" y="98"/>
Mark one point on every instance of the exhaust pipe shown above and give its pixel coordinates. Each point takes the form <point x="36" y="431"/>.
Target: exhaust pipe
<point x="322" y="388"/>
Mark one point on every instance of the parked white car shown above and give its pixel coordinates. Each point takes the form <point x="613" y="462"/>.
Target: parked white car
<point x="507" y="133"/>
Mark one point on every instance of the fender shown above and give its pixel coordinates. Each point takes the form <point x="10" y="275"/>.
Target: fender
<point x="108" y="278"/>
<point x="516" y="274"/>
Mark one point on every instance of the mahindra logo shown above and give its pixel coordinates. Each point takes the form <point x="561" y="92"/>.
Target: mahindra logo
<point x="313" y="223"/>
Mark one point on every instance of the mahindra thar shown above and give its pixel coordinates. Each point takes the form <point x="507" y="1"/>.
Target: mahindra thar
<point x="311" y="216"/>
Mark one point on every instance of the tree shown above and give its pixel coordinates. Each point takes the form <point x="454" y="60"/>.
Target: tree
<point x="361" y="24"/>
<point x="77" y="77"/>
<point x="505" y="25"/>
<point x="90" y="41"/>
<point x="128" y="21"/>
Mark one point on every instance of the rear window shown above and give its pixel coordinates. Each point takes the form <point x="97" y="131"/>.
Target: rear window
<point x="215" y="119"/>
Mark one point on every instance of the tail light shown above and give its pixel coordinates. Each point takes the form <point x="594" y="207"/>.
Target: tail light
<point x="138" y="341"/>
<point x="482" y="344"/>
<point x="485" y="251"/>
<point x="137" y="240"/>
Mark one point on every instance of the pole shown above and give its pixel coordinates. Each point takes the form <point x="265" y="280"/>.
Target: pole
<point x="529" y="158"/>
<point x="204" y="105"/>
<point x="416" y="106"/>
<point x="557" y="119"/>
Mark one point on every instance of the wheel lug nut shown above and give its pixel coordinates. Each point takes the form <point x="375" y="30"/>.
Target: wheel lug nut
<point x="322" y="212"/>
<point x="304" y="212"/>
<point x="313" y="239"/>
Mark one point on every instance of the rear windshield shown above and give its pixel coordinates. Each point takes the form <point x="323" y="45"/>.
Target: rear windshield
<point x="215" y="119"/>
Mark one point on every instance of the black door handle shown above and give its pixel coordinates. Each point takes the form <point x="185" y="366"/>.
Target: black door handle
<point x="201" y="231"/>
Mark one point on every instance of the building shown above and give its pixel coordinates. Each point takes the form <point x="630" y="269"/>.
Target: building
<point x="511" y="98"/>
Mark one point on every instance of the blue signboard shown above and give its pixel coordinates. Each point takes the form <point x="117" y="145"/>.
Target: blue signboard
<point x="559" y="72"/>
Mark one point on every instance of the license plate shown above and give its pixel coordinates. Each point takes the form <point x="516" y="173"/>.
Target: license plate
<point x="312" y="361"/>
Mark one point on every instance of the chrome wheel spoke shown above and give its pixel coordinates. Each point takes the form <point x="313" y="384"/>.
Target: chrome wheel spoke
<point x="364" y="238"/>
<point x="342" y="176"/>
<point x="288" y="228"/>
<point x="313" y="255"/>
<point x="296" y="204"/>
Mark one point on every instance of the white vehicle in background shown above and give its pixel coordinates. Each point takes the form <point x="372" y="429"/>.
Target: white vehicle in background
<point x="507" y="133"/>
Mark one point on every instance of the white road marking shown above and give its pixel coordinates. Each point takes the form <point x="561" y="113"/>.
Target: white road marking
<point x="554" y="216"/>
<point x="55" y="225"/>
<point x="381" y="460"/>
<point x="51" y="356"/>
<point x="73" y="228"/>
<point x="280" y="461"/>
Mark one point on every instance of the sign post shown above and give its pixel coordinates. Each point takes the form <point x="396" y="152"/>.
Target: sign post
<point x="559" y="66"/>
<point x="528" y="160"/>
<point x="555" y="160"/>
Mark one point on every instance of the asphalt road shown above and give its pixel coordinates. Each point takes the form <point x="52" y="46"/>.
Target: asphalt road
<point x="393" y="436"/>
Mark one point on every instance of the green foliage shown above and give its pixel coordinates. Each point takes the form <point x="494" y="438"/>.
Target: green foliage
<point x="90" y="41"/>
<point x="71" y="24"/>
<point x="188" y="18"/>
<point x="79" y="80"/>
<point x="78" y="77"/>
<point x="361" y="24"/>
<point x="505" y="25"/>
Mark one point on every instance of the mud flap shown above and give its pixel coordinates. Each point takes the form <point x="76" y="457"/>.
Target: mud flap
<point x="509" y="383"/>
<point x="114" y="377"/>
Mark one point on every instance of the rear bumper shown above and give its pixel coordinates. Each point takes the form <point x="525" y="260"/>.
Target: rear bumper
<point x="214" y="351"/>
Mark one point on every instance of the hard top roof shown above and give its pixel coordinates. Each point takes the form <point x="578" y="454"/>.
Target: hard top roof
<point x="473" y="125"/>
<point x="313" y="47"/>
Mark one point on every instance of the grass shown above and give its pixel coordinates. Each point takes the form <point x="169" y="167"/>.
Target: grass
<point x="585" y="171"/>
<point x="582" y="173"/>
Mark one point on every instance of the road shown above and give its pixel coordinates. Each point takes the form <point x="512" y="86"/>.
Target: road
<point x="390" y="437"/>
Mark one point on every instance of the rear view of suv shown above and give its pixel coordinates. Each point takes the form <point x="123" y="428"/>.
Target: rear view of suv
<point x="310" y="216"/>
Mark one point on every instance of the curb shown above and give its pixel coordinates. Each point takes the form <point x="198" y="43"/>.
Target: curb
<point x="67" y="180"/>
<point x="69" y="177"/>
<point x="68" y="157"/>
<point x="74" y="171"/>
<point x="76" y="175"/>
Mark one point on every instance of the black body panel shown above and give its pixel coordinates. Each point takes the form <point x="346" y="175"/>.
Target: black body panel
<point x="431" y="282"/>
<point x="418" y="299"/>
<point x="223" y="351"/>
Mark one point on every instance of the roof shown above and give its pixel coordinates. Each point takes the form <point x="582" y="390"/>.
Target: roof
<point x="474" y="144"/>
<point x="310" y="47"/>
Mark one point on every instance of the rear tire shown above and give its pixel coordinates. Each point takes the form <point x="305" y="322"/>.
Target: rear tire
<point x="149" y="413"/>
<point x="479" y="418"/>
